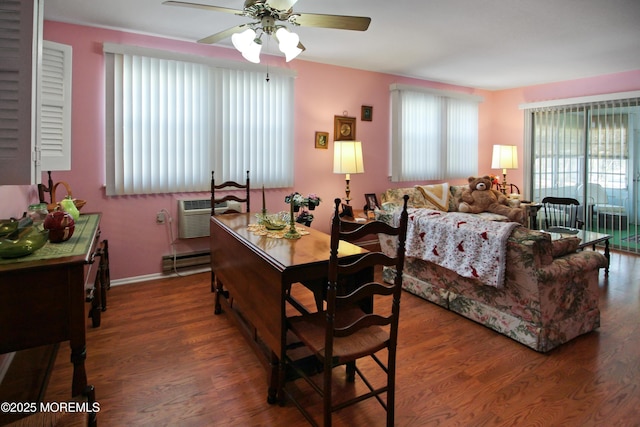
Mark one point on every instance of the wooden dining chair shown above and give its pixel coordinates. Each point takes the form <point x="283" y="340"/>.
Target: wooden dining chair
<point x="221" y="202"/>
<point x="229" y="186"/>
<point x="561" y="214"/>
<point x="346" y="331"/>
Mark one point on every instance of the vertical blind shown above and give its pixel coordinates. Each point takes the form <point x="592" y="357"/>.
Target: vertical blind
<point x="433" y="134"/>
<point x="171" y="122"/>
<point x="590" y="151"/>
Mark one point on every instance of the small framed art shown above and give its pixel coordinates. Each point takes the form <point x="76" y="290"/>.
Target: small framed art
<point x="372" y="202"/>
<point x="322" y="139"/>
<point x="366" y="114"/>
<point x="347" y="211"/>
<point x="344" y="128"/>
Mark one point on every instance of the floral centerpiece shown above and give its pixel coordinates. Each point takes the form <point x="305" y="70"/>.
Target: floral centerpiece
<point x="303" y="205"/>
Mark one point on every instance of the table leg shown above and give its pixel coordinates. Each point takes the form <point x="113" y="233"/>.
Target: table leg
<point x="607" y="255"/>
<point x="78" y="356"/>
<point x="274" y="391"/>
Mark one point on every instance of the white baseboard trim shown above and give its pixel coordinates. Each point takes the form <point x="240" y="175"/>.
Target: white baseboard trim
<point x="156" y="276"/>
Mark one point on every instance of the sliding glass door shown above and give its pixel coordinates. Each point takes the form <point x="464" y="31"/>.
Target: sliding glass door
<point x="590" y="152"/>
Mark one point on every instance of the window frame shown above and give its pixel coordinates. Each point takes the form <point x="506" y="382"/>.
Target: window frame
<point x="274" y="138"/>
<point x="445" y="134"/>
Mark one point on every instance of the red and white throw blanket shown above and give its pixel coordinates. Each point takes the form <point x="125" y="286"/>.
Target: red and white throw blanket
<point x="470" y="246"/>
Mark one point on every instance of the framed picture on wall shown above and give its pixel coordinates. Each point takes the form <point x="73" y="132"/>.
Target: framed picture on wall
<point x="367" y="113"/>
<point x="344" y="128"/>
<point x="322" y="140"/>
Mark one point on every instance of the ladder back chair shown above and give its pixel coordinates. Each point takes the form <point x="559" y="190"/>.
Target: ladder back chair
<point x="561" y="214"/>
<point x="219" y="202"/>
<point x="345" y="331"/>
<point x="229" y="186"/>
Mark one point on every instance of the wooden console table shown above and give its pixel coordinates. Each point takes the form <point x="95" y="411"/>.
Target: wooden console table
<point x="258" y="272"/>
<point x="42" y="296"/>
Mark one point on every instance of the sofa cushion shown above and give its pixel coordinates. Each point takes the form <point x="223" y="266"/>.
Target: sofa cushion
<point x="456" y="195"/>
<point x="395" y="195"/>
<point x="436" y="195"/>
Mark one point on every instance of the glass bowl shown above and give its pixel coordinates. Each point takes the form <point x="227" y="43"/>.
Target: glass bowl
<point x="277" y="221"/>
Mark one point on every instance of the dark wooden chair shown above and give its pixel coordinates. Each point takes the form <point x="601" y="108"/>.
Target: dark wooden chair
<point x="229" y="186"/>
<point x="219" y="202"/>
<point x="345" y="331"/>
<point x="561" y="214"/>
<point x="509" y="189"/>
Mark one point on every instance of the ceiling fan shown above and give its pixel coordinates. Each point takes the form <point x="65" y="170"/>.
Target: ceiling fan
<point x="267" y="15"/>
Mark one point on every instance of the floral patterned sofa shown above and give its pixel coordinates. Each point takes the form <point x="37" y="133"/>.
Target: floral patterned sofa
<point x="550" y="292"/>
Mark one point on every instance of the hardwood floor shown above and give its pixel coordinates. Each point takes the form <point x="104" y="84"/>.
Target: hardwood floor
<point x="162" y="358"/>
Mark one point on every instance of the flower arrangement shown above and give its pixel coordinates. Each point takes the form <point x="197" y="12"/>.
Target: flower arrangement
<point x="494" y="180"/>
<point x="299" y="201"/>
<point x="311" y="201"/>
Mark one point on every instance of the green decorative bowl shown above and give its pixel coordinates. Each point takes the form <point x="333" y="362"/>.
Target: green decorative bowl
<point x="8" y="226"/>
<point x="28" y="241"/>
<point x="274" y="222"/>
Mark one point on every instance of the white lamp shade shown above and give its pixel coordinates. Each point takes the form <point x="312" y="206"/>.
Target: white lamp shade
<point x="347" y="157"/>
<point x="252" y="52"/>
<point x="242" y="40"/>
<point x="504" y="157"/>
<point x="288" y="43"/>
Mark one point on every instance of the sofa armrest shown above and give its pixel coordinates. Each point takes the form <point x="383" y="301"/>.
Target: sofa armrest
<point x="571" y="264"/>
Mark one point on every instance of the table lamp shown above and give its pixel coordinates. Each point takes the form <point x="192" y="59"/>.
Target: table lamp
<point x="504" y="157"/>
<point x="347" y="159"/>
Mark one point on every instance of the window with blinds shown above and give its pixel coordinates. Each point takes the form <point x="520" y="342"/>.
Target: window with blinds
<point x="590" y="151"/>
<point x="172" y="119"/>
<point x="434" y="133"/>
<point x="55" y="109"/>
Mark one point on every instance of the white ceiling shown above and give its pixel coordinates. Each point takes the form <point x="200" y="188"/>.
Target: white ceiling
<point x="488" y="44"/>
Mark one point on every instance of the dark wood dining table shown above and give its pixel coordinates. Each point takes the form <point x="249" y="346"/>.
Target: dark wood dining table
<point x="257" y="272"/>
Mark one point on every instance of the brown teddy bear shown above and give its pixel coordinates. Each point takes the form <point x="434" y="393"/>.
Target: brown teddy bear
<point x="480" y="197"/>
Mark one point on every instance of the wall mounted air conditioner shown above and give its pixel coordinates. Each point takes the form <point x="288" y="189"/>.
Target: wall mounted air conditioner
<point x="193" y="216"/>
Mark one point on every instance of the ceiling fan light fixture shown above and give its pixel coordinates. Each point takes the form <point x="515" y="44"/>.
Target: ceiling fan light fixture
<point x="248" y="45"/>
<point x="242" y="40"/>
<point x="288" y="43"/>
<point x="252" y="52"/>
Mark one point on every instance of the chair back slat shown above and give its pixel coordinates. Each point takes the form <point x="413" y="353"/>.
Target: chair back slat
<point x="367" y="260"/>
<point x="366" y="290"/>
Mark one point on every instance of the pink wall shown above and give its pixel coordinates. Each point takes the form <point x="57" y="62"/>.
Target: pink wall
<point x="137" y="243"/>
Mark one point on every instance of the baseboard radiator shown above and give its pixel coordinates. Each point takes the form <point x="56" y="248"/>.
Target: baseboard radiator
<point x="186" y="261"/>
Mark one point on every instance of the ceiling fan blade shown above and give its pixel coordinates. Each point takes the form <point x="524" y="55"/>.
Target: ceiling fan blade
<point x="202" y="6"/>
<point x="357" y="23"/>
<point x="215" y="38"/>
<point x="281" y="4"/>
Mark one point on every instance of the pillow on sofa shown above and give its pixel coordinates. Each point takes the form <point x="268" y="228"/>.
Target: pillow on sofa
<point x="416" y="200"/>
<point x="395" y="195"/>
<point x="456" y="195"/>
<point x="566" y="245"/>
<point x="436" y="195"/>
